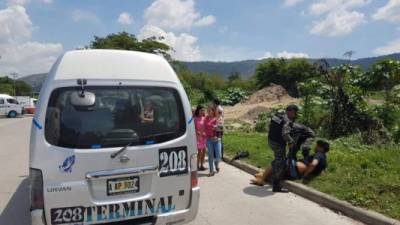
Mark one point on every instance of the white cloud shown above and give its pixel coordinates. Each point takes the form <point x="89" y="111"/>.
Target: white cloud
<point x="340" y="17"/>
<point x="175" y="15"/>
<point x="15" y="24"/>
<point x="290" y="55"/>
<point x="205" y="21"/>
<point x="24" y="2"/>
<point x="18" y="53"/>
<point x="290" y="3"/>
<point x="285" y="55"/>
<point x="389" y="48"/>
<point x="184" y="45"/>
<point x="389" y="12"/>
<point x="84" y="16"/>
<point x="267" y="55"/>
<point x="338" y="23"/>
<point x="125" y="18"/>
<point x="325" y="6"/>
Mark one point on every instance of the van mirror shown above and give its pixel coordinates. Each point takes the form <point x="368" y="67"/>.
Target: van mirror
<point x="83" y="99"/>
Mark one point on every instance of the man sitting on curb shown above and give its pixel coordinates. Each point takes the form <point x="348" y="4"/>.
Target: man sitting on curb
<point x="307" y="168"/>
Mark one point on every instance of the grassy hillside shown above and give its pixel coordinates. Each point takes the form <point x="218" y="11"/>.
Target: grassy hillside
<point x="224" y="69"/>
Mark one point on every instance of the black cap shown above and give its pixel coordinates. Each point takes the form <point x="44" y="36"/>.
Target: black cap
<point x="324" y="144"/>
<point x="292" y="107"/>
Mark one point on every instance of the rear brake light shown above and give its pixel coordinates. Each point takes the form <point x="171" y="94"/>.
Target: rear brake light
<point x="193" y="169"/>
<point x="36" y="190"/>
<point x="195" y="181"/>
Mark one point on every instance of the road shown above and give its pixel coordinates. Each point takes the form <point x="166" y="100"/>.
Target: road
<point x="226" y="198"/>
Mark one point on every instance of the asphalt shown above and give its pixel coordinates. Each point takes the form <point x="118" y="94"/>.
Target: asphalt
<point x="226" y="198"/>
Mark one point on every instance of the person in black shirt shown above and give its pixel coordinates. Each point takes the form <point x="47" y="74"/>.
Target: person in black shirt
<point x="313" y="165"/>
<point x="307" y="168"/>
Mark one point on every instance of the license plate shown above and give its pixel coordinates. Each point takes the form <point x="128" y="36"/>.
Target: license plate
<point x="124" y="185"/>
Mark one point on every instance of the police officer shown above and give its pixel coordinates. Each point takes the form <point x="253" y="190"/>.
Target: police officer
<point x="279" y="136"/>
<point x="303" y="137"/>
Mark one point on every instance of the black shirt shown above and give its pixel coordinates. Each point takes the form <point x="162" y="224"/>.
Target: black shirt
<point x="322" y="163"/>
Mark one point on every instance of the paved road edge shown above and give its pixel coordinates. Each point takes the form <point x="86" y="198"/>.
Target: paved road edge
<point x="363" y="215"/>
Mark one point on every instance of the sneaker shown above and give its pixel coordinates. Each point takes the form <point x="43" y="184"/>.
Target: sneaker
<point x="217" y="169"/>
<point x="211" y="174"/>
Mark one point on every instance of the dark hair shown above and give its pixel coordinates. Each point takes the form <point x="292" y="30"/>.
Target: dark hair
<point x="323" y="144"/>
<point x="217" y="101"/>
<point x="198" y="109"/>
<point x="292" y="107"/>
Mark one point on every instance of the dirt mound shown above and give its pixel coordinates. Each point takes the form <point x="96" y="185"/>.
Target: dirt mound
<point x="268" y="94"/>
<point x="261" y="101"/>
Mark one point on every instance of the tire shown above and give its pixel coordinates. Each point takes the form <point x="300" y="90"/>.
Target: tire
<point x="12" y="114"/>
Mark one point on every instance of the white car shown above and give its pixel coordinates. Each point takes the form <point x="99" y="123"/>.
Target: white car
<point x="9" y="106"/>
<point x="113" y="140"/>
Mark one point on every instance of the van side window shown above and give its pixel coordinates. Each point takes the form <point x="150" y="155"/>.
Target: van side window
<point x="12" y="101"/>
<point x="120" y="116"/>
<point x="1" y="101"/>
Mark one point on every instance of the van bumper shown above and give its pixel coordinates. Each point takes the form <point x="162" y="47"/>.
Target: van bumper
<point x="37" y="217"/>
<point x="172" y="218"/>
<point x="182" y="216"/>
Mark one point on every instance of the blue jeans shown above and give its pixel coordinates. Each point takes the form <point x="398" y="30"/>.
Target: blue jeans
<point x="214" y="148"/>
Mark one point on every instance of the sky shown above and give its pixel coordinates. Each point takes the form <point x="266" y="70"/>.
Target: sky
<point x="33" y="33"/>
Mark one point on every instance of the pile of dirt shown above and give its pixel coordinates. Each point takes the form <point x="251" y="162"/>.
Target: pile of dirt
<point x="261" y="101"/>
<point x="268" y="94"/>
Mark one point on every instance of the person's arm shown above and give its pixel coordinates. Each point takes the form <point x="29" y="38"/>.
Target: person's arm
<point x="286" y="130"/>
<point x="311" y="167"/>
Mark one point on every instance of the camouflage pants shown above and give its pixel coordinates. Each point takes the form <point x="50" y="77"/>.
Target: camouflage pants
<point x="279" y="162"/>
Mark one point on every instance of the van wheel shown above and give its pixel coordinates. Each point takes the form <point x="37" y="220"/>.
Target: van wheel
<point x="12" y="114"/>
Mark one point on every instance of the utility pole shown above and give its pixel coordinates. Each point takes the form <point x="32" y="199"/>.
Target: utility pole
<point x="14" y="75"/>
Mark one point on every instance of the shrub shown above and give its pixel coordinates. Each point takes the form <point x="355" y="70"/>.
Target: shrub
<point x="231" y="96"/>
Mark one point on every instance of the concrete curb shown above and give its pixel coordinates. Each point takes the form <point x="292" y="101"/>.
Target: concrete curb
<point x="363" y="215"/>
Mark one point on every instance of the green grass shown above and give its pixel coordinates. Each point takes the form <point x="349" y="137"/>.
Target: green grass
<point x="365" y="176"/>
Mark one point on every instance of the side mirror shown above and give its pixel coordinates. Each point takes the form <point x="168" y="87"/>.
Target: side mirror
<point x="83" y="99"/>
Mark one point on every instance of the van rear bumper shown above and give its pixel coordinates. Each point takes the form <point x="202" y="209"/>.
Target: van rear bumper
<point x="182" y="216"/>
<point x="172" y="218"/>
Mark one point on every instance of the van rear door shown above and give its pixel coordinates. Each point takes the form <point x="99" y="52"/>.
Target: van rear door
<point x="126" y="156"/>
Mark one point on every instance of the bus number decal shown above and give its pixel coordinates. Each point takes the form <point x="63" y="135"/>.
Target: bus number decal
<point x="173" y="161"/>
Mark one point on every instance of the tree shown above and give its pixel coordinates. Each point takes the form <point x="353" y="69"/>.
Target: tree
<point x="21" y="88"/>
<point x="288" y="73"/>
<point x="386" y="75"/>
<point x="126" y="41"/>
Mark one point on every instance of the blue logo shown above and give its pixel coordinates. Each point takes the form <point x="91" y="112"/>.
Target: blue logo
<point x="66" y="167"/>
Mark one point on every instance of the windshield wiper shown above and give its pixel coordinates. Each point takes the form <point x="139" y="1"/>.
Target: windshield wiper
<point x="115" y="154"/>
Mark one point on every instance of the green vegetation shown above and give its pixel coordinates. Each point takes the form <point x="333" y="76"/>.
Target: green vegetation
<point x="21" y="88"/>
<point x="364" y="175"/>
<point x="126" y="41"/>
<point x="364" y="161"/>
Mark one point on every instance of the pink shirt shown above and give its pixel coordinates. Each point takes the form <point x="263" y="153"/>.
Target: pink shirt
<point x="209" y="124"/>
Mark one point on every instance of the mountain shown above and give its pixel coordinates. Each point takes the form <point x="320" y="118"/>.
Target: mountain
<point x="245" y="68"/>
<point x="34" y="80"/>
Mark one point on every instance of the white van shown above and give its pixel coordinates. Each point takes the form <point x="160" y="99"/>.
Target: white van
<point x="28" y="103"/>
<point x="113" y="140"/>
<point x="9" y="106"/>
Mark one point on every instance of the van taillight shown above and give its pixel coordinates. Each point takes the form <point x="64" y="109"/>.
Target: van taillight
<point x="195" y="181"/>
<point x="36" y="195"/>
<point x="193" y="166"/>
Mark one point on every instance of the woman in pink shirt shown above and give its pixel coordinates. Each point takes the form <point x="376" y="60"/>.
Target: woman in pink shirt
<point x="213" y="141"/>
<point x="199" y="119"/>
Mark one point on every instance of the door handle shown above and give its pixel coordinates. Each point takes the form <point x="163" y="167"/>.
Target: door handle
<point x="121" y="172"/>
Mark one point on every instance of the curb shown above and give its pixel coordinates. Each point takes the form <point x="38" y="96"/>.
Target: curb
<point x="345" y="208"/>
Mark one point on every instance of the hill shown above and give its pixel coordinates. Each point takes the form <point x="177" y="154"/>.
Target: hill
<point x="245" y="68"/>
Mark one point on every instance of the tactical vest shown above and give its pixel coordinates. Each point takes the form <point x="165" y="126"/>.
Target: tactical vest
<point x="275" y="128"/>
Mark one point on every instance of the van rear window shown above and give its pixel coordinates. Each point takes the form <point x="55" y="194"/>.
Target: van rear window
<point x="120" y="116"/>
